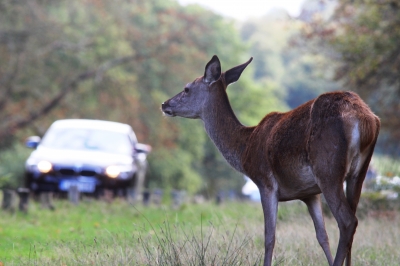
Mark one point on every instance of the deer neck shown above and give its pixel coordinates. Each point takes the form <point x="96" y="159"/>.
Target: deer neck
<point x="225" y="130"/>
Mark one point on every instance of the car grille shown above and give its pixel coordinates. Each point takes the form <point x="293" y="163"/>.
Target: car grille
<point x="67" y="171"/>
<point x="87" y="173"/>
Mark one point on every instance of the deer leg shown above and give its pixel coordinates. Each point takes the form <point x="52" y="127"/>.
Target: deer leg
<point x="269" y="202"/>
<point x="353" y="193"/>
<point x="314" y="208"/>
<point x="345" y="218"/>
<point x="328" y="153"/>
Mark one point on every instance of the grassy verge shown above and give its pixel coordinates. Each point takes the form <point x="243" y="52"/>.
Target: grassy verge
<point x="100" y="233"/>
<point x="96" y="226"/>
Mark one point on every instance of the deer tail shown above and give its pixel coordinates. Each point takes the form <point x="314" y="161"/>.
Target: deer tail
<point x="369" y="127"/>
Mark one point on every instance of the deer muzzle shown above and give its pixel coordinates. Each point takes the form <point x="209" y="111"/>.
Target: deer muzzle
<point x="166" y="109"/>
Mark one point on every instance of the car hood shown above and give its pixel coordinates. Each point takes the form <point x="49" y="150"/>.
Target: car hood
<point x="65" y="157"/>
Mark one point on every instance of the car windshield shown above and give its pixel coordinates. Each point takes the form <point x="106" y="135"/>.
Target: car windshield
<point x="87" y="139"/>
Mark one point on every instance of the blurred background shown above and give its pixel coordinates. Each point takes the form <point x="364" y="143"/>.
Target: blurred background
<point x="119" y="60"/>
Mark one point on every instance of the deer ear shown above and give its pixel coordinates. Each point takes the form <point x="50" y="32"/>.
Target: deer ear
<point x="213" y="70"/>
<point x="232" y="75"/>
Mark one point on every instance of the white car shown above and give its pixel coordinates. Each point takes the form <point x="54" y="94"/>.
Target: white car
<point x="251" y="190"/>
<point x="91" y="154"/>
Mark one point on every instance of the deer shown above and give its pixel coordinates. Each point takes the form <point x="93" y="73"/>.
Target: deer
<point x="295" y="155"/>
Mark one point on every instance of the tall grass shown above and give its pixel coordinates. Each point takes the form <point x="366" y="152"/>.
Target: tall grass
<point x="230" y="234"/>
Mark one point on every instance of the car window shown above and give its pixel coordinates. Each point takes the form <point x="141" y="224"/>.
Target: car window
<point x="87" y="139"/>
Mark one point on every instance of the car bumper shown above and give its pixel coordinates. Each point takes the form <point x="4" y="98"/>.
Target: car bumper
<point x="51" y="183"/>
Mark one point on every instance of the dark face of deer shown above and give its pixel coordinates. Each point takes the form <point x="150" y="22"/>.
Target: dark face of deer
<point x="192" y="101"/>
<point x="188" y="103"/>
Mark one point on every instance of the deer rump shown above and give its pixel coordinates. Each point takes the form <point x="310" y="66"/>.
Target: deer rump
<point x="334" y="133"/>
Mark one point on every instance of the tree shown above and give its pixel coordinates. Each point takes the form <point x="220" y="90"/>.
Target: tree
<point x="296" y="74"/>
<point x="47" y="49"/>
<point x="362" y="38"/>
<point x="119" y="60"/>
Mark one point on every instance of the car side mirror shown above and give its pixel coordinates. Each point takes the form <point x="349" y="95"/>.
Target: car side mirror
<point x="32" y="142"/>
<point x="142" y="148"/>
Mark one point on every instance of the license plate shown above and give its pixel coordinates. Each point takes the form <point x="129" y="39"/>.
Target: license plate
<point x="83" y="186"/>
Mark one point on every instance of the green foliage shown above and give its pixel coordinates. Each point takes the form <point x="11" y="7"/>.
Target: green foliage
<point x="5" y="180"/>
<point x="165" y="173"/>
<point x="295" y="74"/>
<point x="253" y="100"/>
<point x="119" y="60"/>
<point x="385" y="165"/>
<point x="12" y="163"/>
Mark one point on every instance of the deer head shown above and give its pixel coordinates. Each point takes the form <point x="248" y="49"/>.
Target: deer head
<point x="197" y="95"/>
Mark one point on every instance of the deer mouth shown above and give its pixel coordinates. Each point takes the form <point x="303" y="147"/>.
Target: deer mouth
<point x="168" y="113"/>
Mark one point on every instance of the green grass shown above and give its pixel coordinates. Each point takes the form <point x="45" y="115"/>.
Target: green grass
<point x="118" y="233"/>
<point x="42" y="232"/>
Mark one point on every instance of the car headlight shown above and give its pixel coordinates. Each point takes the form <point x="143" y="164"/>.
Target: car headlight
<point x="120" y="171"/>
<point x="44" y="166"/>
<point x="113" y="171"/>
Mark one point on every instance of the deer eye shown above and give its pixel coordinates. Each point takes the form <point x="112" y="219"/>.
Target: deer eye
<point x="186" y="90"/>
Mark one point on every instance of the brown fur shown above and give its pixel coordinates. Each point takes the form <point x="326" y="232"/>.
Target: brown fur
<point x="299" y="154"/>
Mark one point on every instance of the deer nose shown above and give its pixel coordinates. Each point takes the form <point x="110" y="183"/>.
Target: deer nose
<point x="165" y="105"/>
<point x="166" y="109"/>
